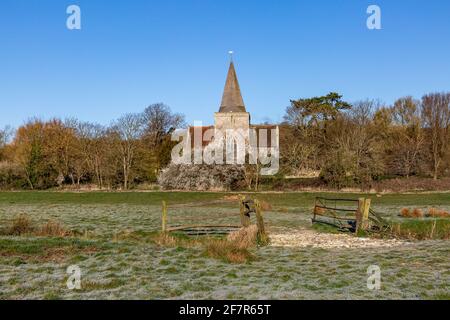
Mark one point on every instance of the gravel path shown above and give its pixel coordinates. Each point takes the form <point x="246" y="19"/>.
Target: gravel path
<point x="309" y="238"/>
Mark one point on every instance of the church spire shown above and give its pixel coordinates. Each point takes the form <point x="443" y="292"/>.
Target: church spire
<point x="232" y="99"/>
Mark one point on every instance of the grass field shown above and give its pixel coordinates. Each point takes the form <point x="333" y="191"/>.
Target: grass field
<point x="115" y="249"/>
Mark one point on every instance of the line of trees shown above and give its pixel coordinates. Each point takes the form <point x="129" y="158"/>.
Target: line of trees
<point x="132" y="150"/>
<point x="345" y="144"/>
<point x="356" y="144"/>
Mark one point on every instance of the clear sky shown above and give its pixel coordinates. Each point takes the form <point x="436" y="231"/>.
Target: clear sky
<point x="130" y="54"/>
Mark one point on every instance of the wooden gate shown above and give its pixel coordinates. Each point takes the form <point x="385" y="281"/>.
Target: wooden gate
<point x="345" y="214"/>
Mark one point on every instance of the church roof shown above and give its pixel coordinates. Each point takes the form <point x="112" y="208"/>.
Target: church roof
<point x="232" y="99"/>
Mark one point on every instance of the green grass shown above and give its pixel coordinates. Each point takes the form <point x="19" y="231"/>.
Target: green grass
<point x="36" y="246"/>
<point x="422" y="229"/>
<point x="301" y="199"/>
<point x="143" y="198"/>
<point x="321" y="227"/>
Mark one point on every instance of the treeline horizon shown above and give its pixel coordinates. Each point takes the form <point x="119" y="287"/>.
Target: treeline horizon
<point x="357" y="144"/>
<point x="51" y="153"/>
<point x="345" y="144"/>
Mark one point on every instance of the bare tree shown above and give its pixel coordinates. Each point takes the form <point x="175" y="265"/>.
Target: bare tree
<point x="436" y="117"/>
<point x="299" y="149"/>
<point x="295" y="118"/>
<point x="407" y="134"/>
<point x="5" y="134"/>
<point x="60" y="141"/>
<point x="362" y="138"/>
<point x="98" y="151"/>
<point x="127" y="131"/>
<point x="160" y="121"/>
<point x="352" y="144"/>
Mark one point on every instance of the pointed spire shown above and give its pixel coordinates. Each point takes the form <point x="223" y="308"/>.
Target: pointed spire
<point x="232" y="99"/>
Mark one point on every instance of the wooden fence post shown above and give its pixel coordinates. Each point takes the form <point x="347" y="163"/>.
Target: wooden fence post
<point x="362" y="214"/>
<point x="164" y="217"/>
<point x="359" y="213"/>
<point x="262" y="236"/>
<point x="315" y="211"/>
<point x="245" y="220"/>
<point x="365" y="216"/>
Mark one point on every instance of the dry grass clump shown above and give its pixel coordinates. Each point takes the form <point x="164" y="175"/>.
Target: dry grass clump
<point x="418" y="213"/>
<point x="436" y="213"/>
<point x="24" y="225"/>
<point x="169" y="240"/>
<point x="265" y="206"/>
<point x="165" y="240"/>
<point x="244" y="237"/>
<point x="415" y="213"/>
<point x="232" y="249"/>
<point x="235" y="248"/>
<point x="52" y="229"/>
<point x="228" y="251"/>
<point x="405" y="213"/>
<point x="21" y="225"/>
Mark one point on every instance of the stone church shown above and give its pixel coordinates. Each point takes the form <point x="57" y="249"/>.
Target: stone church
<point x="232" y="115"/>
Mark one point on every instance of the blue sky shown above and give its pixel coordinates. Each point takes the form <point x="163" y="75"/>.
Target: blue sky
<point x="132" y="53"/>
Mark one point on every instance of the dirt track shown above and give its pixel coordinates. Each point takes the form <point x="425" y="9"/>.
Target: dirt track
<point x="308" y="238"/>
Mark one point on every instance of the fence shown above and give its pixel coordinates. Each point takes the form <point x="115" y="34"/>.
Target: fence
<point x="345" y="214"/>
<point x="214" y="221"/>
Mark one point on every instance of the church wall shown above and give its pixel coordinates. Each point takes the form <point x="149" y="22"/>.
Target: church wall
<point x="232" y="120"/>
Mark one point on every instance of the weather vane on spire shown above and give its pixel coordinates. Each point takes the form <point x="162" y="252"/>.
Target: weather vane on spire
<point x="231" y="55"/>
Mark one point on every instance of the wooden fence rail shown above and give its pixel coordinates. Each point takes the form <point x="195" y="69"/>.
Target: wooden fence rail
<point x="343" y="217"/>
<point x="247" y="207"/>
<point x="360" y="217"/>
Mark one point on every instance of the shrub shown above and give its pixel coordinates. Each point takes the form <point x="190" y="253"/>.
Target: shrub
<point x="417" y="213"/>
<point x="244" y="237"/>
<point x="22" y="224"/>
<point x="407" y="213"/>
<point x="202" y="177"/>
<point x="436" y="213"/>
<point x="11" y="175"/>
<point x="334" y="175"/>
<point x="228" y="251"/>
<point x="53" y="229"/>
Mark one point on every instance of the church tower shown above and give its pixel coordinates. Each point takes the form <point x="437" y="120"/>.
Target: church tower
<point x="232" y="113"/>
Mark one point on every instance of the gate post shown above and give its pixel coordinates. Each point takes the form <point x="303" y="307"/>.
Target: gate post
<point x="245" y="220"/>
<point x="164" y="217"/>
<point x="362" y="214"/>
<point x="359" y="214"/>
<point x="365" y="217"/>
<point x="263" y="239"/>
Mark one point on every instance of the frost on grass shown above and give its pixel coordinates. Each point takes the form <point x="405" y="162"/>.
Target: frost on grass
<point x="120" y="260"/>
